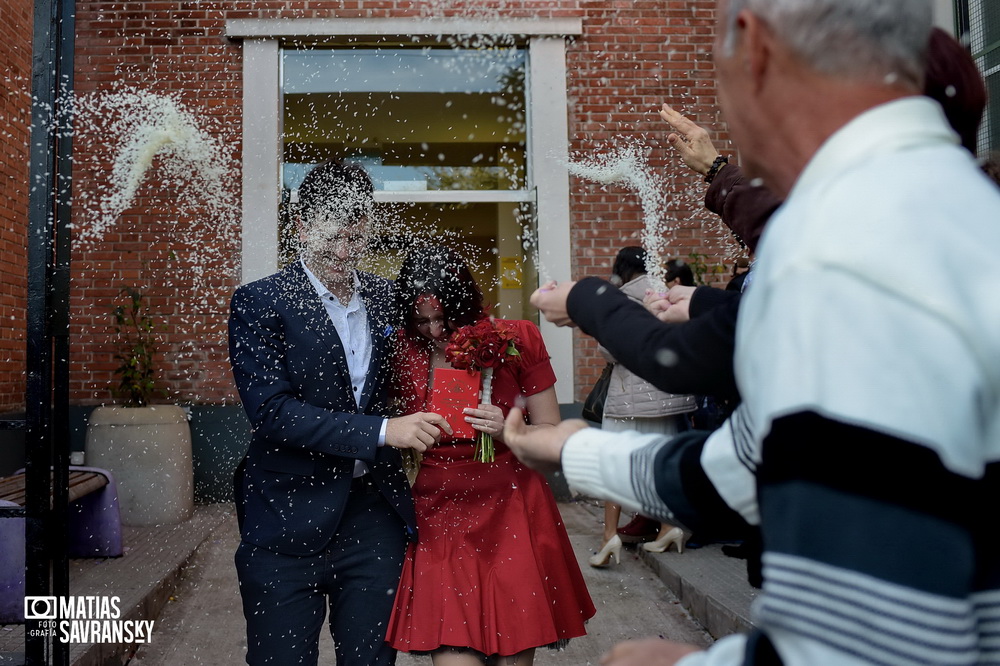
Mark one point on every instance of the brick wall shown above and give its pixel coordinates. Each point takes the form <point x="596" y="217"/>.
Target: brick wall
<point x="15" y="114"/>
<point x="184" y="257"/>
<point x="633" y="56"/>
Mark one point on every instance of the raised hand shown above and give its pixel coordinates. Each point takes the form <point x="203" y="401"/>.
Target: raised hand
<point x="690" y="140"/>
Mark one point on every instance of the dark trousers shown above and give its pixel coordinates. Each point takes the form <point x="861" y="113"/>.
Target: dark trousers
<point x="285" y="596"/>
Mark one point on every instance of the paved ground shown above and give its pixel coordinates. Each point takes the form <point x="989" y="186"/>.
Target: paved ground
<point x="182" y="576"/>
<point x="203" y="623"/>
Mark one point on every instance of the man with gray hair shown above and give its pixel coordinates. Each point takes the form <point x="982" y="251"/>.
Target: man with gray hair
<point x="874" y="400"/>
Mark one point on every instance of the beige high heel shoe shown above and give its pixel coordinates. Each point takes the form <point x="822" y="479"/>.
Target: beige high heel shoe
<point x="661" y="545"/>
<point x="612" y="548"/>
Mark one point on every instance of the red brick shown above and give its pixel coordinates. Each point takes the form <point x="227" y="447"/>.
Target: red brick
<point x="632" y="56"/>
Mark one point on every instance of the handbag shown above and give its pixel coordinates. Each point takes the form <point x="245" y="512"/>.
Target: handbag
<point x="593" y="406"/>
<point x="411" y="464"/>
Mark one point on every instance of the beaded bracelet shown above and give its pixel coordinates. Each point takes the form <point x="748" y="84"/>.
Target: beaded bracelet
<point x="719" y="162"/>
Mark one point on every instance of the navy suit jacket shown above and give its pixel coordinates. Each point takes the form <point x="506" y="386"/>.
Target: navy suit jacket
<point x="307" y="430"/>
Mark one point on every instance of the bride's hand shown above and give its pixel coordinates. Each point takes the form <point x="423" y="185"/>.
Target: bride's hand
<point x="486" y="418"/>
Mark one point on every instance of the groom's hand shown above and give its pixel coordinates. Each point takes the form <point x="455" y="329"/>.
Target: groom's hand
<point x="418" y="431"/>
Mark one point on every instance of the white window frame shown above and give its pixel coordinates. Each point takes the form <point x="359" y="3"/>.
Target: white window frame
<point x="547" y="140"/>
<point x="944" y="15"/>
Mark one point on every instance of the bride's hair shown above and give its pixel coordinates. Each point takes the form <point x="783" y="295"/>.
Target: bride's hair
<point x="439" y="272"/>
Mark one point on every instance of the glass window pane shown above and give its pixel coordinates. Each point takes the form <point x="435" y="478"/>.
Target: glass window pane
<point x="417" y="118"/>
<point x="989" y="133"/>
<point x="490" y="236"/>
<point x="984" y="37"/>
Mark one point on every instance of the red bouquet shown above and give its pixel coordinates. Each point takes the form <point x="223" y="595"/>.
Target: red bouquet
<point x="482" y="347"/>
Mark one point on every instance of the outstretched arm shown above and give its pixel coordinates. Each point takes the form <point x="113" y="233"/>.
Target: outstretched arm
<point x="659" y="476"/>
<point x="638" y="472"/>
<point x="692" y="357"/>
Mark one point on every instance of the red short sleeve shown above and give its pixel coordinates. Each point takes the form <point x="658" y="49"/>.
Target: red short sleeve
<point x="532" y="374"/>
<point x="535" y="373"/>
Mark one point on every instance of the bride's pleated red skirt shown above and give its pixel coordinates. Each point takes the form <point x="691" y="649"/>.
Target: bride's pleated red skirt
<point x="493" y="568"/>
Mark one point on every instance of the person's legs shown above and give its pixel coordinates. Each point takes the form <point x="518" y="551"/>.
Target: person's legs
<point x="458" y="657"/>
<point x="450" y="656"/>
<point x="523" y="658"/>
<point x="366" y="557"/>
<point x="282" y="604"/>
<point x="611" y="543"/>
<point x="612" y="513"/>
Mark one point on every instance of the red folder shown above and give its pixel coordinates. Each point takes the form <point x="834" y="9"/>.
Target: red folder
<point x="452" y="392"/>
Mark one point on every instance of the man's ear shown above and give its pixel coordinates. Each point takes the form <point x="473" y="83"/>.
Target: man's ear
<point x="758" y="51"/>
<point x="300" y="229"/>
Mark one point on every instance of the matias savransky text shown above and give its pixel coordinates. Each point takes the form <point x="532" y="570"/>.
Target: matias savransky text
<point x="85" y="619"/>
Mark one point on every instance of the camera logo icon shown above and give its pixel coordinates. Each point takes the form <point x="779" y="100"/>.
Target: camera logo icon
<point x="40" y="608"/>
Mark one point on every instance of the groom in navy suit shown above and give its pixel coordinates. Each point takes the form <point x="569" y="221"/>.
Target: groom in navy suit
<point x="323" y="504"/>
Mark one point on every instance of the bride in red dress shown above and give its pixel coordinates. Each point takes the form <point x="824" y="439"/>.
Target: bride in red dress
<point x="493" y="575"/>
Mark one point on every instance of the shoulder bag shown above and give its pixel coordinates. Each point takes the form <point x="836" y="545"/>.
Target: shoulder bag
<point x="593" y="406"/>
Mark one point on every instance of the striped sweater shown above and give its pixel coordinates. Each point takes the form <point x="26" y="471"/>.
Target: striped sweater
<point x="868" y="443"/>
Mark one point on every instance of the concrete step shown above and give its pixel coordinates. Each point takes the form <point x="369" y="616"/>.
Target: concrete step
<point x="143" y="578"/>
<point x="710" y="585"/>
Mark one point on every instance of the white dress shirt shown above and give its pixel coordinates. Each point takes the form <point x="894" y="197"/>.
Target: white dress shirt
<point x="351" y="322"/>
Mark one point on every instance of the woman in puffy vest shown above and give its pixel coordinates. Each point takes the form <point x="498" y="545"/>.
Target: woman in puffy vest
<point x="635" y="404"/>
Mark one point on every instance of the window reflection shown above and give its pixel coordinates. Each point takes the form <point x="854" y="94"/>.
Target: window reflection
<point x="417" y="118"/>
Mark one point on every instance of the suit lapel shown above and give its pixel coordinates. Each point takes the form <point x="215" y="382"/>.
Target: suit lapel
<point x="303" y="300"/>
<point x="377" y="296"/>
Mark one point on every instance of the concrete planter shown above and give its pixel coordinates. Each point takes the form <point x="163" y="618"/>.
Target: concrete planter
<point x="148" y="450"/>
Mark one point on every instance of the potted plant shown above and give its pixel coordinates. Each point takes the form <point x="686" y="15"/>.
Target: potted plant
<point x="146" y="446"/>
<point x="135" y="331"/>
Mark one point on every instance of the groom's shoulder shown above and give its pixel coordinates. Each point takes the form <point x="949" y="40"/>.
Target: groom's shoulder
<point x="269" y="287"/>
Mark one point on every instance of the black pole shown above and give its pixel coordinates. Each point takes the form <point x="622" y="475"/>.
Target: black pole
<point x="38" y="389"/>
<point x="60" y="311"/>
<point x="962" y="22"/>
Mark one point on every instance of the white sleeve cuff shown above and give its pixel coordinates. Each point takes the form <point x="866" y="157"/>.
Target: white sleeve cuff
<point x="598" y="464"/>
